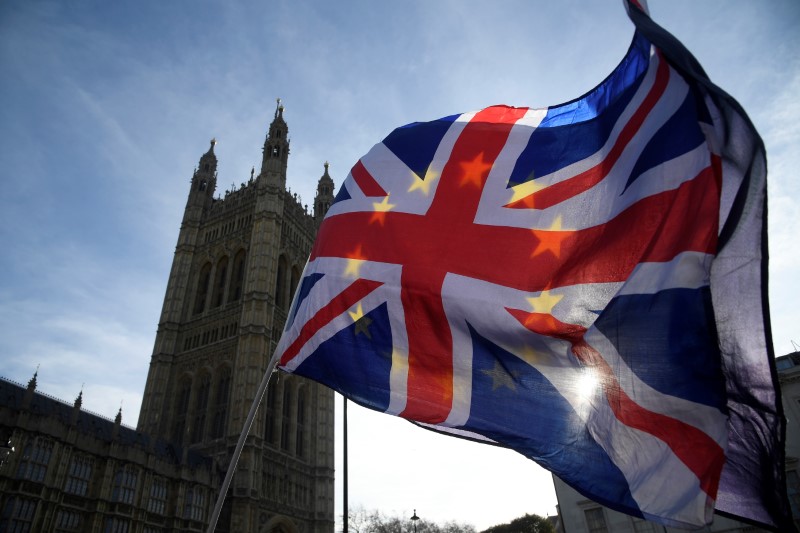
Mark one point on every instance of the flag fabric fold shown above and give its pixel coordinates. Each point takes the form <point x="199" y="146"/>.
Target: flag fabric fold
<point x="584" y="284"/>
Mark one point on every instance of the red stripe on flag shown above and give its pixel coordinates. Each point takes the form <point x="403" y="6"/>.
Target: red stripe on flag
<point x="341" y="303"/>
<point x="656" y="228"/>
<point x="452" y="213"/>
<point x="365" y="181"/>
<point x="697" y="450"/>
<point x="558" y="192"/>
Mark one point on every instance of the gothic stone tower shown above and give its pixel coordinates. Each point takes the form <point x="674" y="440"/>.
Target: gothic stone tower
<point x="237" y="263"/>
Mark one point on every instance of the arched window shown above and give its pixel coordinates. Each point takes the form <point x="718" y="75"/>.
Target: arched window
<point x="200" y="406"/>
<point x="237" y="281"/>
<point x="295" y="280"/>
<point x="219" y="282"/>
<point x="181" y="409"/>
<point x="35" y="459"/>
<point x="269" y="418"/>
<point x="124" y="488"/>
<point x="221" y="399"/>
<point x="194" y="507"/>
<point x="280" y="283"/>
<point x="79" y="475"/>
<point x="300" y="433"/>
<point x="202" y="289"/>
<point x="286" y="418"/>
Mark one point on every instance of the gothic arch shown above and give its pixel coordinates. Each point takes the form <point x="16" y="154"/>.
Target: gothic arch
<point x="280" y="282"/>
<point x="270" y="410"/>
<point x="279" y="524"/>
<point x="182" y="407"/>
<point x="295" y="281"/>
<point x="201" y="294"/>
<point x="220" y="279"/>
<point x="200" y="408"/>
<point x="237" y="276"/>
<point x="301" y="421"/>
<point x="222" y="394"/>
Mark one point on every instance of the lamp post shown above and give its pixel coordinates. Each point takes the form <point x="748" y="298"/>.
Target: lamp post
<point x="414" y="520"/>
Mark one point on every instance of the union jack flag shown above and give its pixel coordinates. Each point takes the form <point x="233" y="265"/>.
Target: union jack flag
<point x="552" y="280"/>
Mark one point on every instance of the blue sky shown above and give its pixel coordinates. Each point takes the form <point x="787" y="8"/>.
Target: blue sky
<point x="107" y="107"/>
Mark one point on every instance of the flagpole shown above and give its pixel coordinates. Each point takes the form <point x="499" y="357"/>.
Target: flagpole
<point x="248" y="424"/>
<point x="345" y="511"/>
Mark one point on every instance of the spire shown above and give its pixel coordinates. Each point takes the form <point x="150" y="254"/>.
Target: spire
<point x="324" y="199"/>
<point x="32" y="382"/>
<point x="117" y="423"/>
<point x="28" y="396"/>
<point x="208" y="162"/>
<point x="276" y="149"/>
<point x="204" y="179"/>
<point x="76" y="408"/>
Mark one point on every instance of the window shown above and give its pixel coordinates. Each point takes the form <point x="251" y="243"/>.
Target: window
<point x="269" y="422"/>
<point x="595" y="520"/>
<point x="158" y="496"/>
<point x="200" y="406"/>
<point x="18" y="515"/>
<point x="221" y="403"/>
<point x="68" y="521"/>
<point x="219" y="282"/>
<point x="295" y="280"/>
<point x="35" y="459"/>
<point x="181" y="410"/>
<point x="285" y="419"/>
<point x="202" y="289"/>
<point x="280" y="283"/>
<point x="643" y="526"/>
<point x="300" y="435"/>
<point x="124" y="486"/>
<point x="793" y="491"/>
<point x="195" y="505"/>
<point x="115" y="525"/>
<point x="79" y="475"/>
<point x="237" y="283"/>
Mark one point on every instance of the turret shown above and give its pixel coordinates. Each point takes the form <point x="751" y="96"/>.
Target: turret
<point x="324" y="198"/>
<point x="276" y="150"/>
<point x="204" y="179"/>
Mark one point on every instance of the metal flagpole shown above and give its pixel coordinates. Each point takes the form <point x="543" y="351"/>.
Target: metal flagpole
<point x="248" y="424"/>
<point x="345" y="511"/>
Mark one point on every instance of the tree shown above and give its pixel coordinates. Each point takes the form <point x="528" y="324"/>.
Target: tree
<point x="361" y="520"/>
<point x="530" y="523"/>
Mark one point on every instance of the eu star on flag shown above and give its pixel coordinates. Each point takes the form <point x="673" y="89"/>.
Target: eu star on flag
<point x="568" y="282"/>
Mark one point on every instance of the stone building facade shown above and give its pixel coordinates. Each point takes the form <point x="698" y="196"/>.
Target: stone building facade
<point x="71" y="471"/>
<point x="238" y="259"/>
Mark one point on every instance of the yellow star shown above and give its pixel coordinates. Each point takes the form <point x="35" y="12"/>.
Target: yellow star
<point x="353" y="267"/>
<point x="354" y="262"/>
<point x="522" y="193"/>
<point x="357" y="314"/>
<point x="545" y="302"/>
<point x="423" y="185"/>
<point x="360" y="321"/>
<point x="500" y="377"/>
<point x="550" y="239"/>
<point x="475" y="171"/>
<point x="525" y="190"/>
<point x="381" y="208"/>
<point x="530" y="356"/>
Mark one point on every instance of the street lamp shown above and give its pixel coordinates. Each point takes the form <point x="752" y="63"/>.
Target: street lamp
<point x="414" y="520"/>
